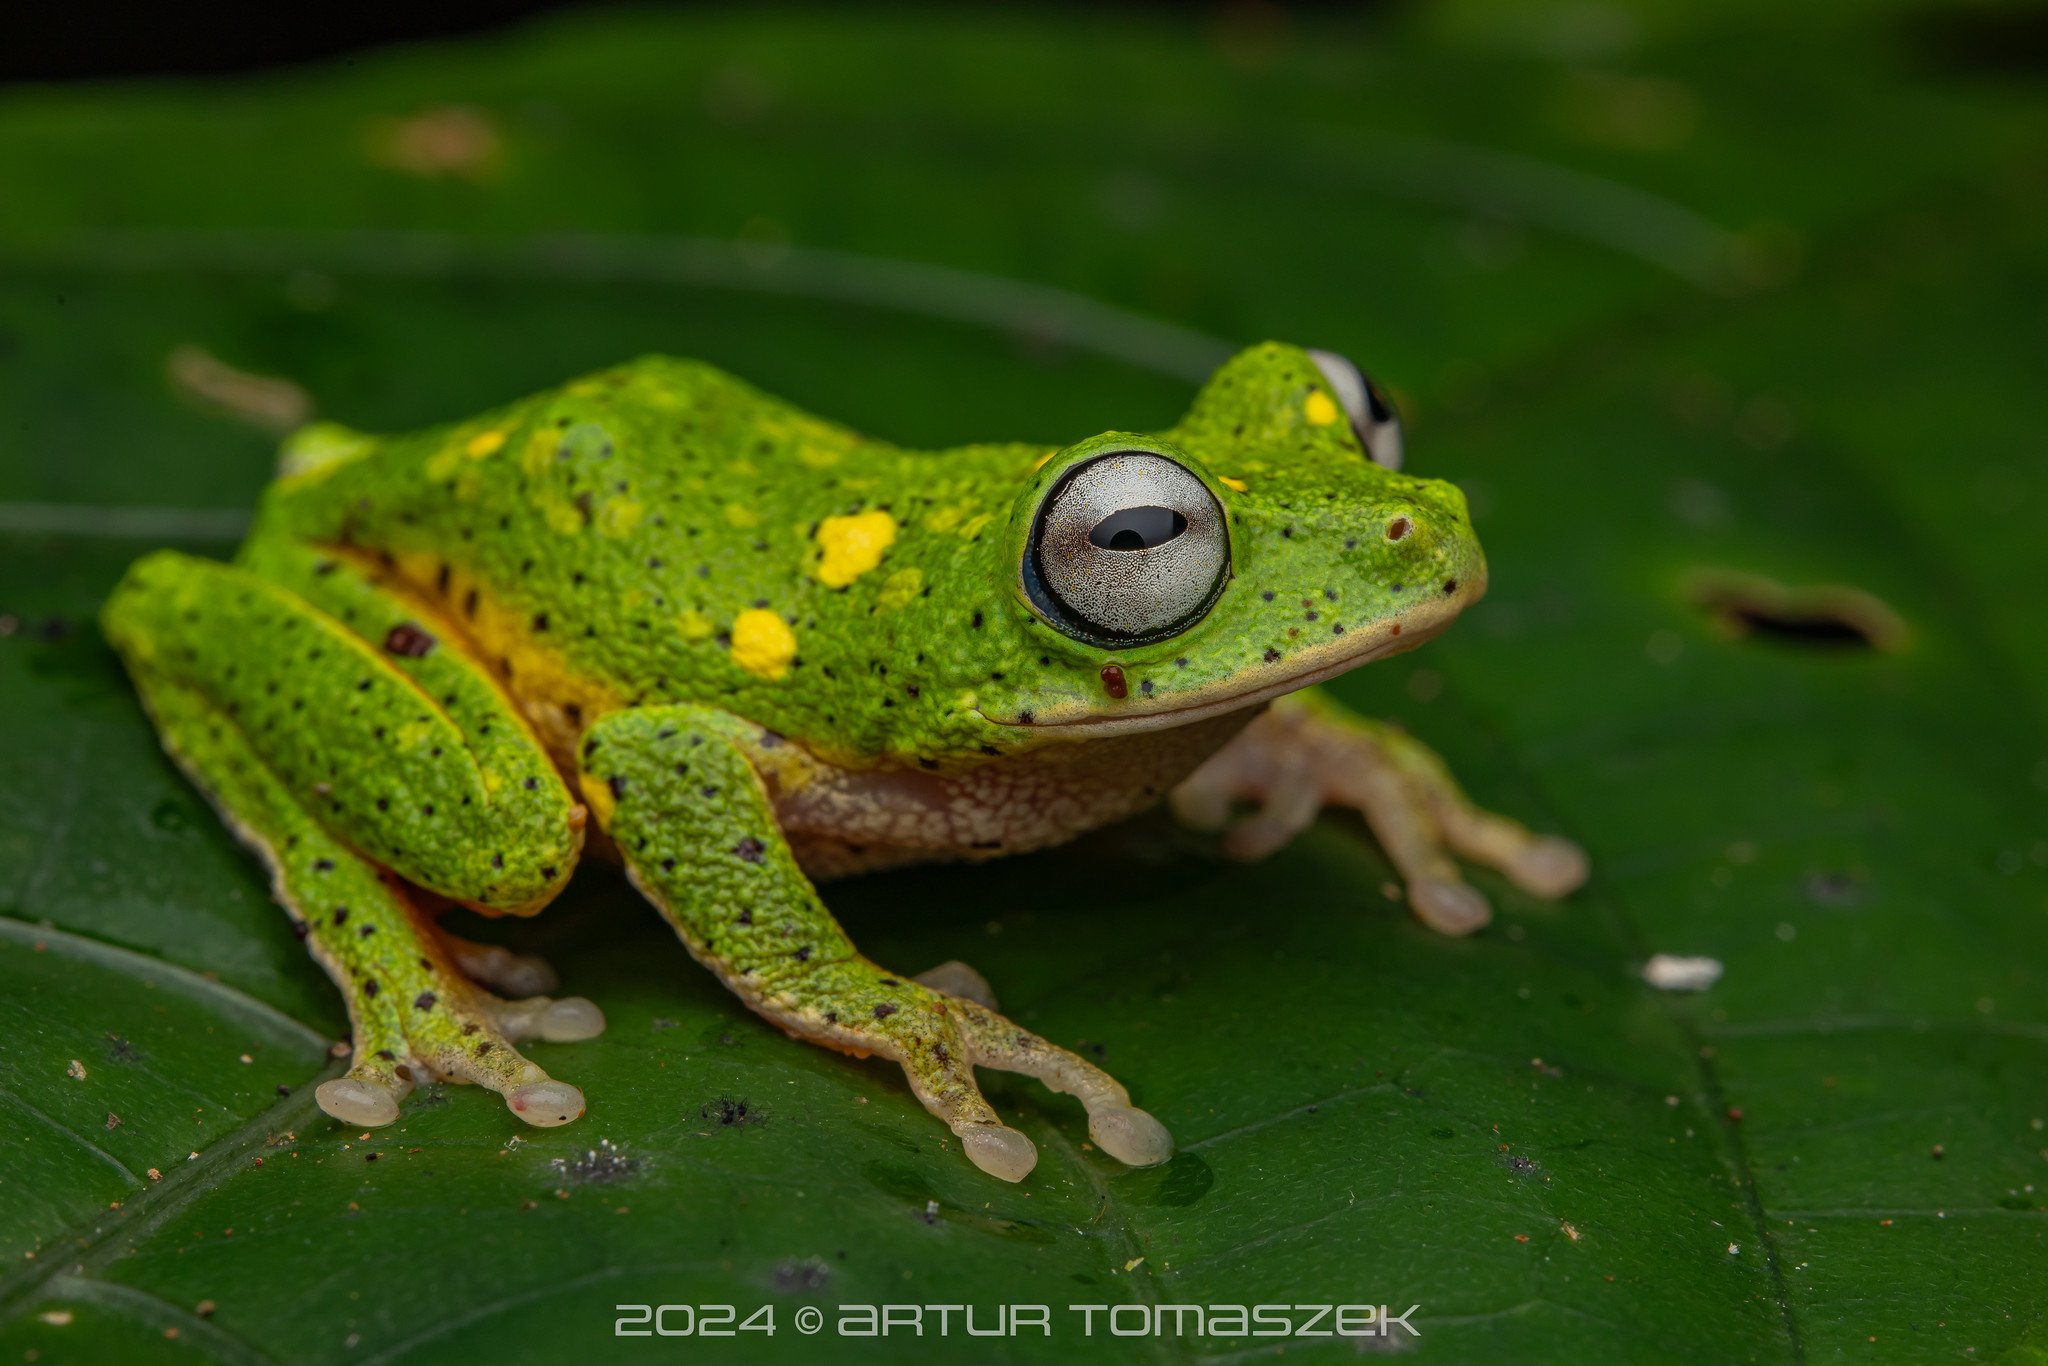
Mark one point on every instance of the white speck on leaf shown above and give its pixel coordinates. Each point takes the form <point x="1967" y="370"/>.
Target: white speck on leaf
<point x="1678" y="972"/>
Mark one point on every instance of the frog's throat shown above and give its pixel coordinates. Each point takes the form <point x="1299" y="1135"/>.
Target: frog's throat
<point x="1315" y="664"/>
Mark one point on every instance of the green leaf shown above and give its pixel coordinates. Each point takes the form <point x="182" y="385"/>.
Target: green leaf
<point x="1755" y="291"/>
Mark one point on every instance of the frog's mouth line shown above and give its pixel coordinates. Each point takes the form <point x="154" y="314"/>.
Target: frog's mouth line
<point x="1317" y="664"/>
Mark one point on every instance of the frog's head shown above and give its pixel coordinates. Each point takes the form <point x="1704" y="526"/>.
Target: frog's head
<point x="1267" y="542"/>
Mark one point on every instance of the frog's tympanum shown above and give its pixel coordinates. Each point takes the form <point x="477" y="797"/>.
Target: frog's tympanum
<point x="745" y="650"/>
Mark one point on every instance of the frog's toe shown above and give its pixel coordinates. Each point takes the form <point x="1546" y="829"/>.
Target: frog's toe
<point x="1288" y="805"/>
<point x="1119" y="1128"/>
<point x="358" y="1101"/>
<point x="1549" y="866"/>
<point x="999" y="1150"/>
<point x="570" y="1019"/>
<point x="1448" y="906"/>
<point x="501" y="969"/>
<point x="956" y="978"/>
<point x="546" y="1103"/>
<point x="1130" y="1135"/>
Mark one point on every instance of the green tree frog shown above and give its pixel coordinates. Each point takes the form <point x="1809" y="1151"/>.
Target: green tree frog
<point x="745" y="650"/>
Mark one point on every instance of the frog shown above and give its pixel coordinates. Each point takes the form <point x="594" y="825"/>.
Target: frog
<point x="741" y="650"/>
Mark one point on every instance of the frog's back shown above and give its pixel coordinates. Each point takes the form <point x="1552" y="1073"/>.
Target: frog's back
<point x="616" y="539"/>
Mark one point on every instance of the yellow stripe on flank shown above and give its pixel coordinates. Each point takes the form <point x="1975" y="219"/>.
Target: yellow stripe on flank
<point x="852" y="546"/>
<point x="484" y="443"/>
<point x="1320" y="409"/>
<point x="762" y="643"/>
<point x="1238" y="484"/>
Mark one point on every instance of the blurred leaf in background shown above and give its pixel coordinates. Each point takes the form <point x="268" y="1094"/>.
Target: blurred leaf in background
<point x="1712" y="310"/>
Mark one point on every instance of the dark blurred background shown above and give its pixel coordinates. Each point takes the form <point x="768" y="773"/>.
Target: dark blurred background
<point x="59" y="42"/>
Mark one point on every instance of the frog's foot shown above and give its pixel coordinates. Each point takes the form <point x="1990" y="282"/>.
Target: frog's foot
<point x="939" y="1039"/>
<point x="429" y="1024"/>
<point x="501" y="969"/>
<point x="674" y="789"/>
<point x="1304" y="754"/>
<point x="956" y="978"/>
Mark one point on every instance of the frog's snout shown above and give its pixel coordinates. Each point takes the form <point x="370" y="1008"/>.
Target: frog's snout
<point x="1414" y="543"/>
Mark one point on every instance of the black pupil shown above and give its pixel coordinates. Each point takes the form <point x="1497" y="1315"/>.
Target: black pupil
<point x="1138" y="528"/>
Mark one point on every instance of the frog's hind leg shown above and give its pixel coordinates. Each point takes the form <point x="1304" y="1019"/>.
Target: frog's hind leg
<point x="204" y="644"/>
<point x="1305" y="753"/>
<point x="676" y="792"/>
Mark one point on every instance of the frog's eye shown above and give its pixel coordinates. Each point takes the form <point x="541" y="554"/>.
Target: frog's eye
<point x="1127" y="548"/>
<point x="1372" y="417"/>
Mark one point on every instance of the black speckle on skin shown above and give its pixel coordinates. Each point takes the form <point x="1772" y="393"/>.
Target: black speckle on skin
<point x="884" y="1011"/>
<point x="977" y="621"/>
<point x="1450" y="586"/>
<point x="370" y="987"/>
<point x="1267" y="595"/>
<point x="1272" y="655"/>
<point x="617" y="783"/>
<point x="341" y="915"/>
<point x="749" y="849"/>
<point x="424" y="1001"/>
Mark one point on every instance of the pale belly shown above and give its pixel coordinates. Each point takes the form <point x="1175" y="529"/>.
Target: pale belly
<point x="841" y="822"/>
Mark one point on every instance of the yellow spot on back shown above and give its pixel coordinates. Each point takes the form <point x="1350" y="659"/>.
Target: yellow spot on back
<point x="1230" y="483"/>
<point x="694" y="625"/>
<point x="945" y="519"/>
<point x="853" y="545"/>
<point x="484" y="443"/>
<point x="972" y="527"/>
<point x="817" y="457"/>
<point x="1320" y="409"/>
<point x="1039" y="463"/>
<point x="762" y="643"/>
<point x="739" y="514"/>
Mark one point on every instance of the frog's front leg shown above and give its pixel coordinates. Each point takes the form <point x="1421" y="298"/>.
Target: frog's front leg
<point x="356" y="771"/>
<point x="1307" y="752"/>
<point x="675" y="790"/>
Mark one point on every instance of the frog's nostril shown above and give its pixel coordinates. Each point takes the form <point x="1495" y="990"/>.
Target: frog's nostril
<point x="1398" y="529"/>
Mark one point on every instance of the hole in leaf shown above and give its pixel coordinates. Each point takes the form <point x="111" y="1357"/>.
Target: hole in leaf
<point x="1824" y="616"/>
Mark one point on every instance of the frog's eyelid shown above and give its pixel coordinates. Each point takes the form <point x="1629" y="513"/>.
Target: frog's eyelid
<point x="1372" y="416"/>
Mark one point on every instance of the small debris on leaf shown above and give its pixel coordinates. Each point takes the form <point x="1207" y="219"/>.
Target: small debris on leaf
<point x="1676" y="972"/>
